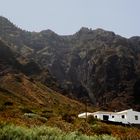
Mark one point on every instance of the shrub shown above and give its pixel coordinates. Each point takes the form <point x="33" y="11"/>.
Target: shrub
<point x="101" y="129"/>
<point x="8" y="103"/>
<point x="12" y="132"/>
<point x="48" y="114"/>
<point x="69" y="117"/>
<point x="18" y="78"/>
<point x="35" y="116"/>
<point x="26" y="110"/>
<point x="91" y="120"/>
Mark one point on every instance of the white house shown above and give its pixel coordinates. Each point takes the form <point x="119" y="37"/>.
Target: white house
<point x="126" y="117"/>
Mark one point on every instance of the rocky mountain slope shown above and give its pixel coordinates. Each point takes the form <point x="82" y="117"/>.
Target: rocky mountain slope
<point x="21" y="94"/>
<point x="97" y="65"/>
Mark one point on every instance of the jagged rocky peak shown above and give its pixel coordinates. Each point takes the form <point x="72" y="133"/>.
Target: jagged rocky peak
<point x="84" y="30"/>
<point x="47" y="32"/>
<point x="97" y="34"/>
<point x="135" y="39"/>
<point x="3" y="19"/>
<point x="5" y="24"/>
<point x="100" y="31"/>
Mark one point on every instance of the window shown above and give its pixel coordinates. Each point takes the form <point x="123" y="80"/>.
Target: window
<point x="112" y="116"/>
<point x="136" y="117"/>
<point x="123" y="116"/>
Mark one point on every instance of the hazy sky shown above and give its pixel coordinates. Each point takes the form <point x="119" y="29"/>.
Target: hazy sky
<point x="68" y="16"/>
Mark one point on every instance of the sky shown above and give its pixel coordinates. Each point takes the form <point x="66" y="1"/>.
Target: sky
<point x="66" y="17"/>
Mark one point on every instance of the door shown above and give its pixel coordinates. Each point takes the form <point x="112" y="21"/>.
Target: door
<point x="105" y="117"/>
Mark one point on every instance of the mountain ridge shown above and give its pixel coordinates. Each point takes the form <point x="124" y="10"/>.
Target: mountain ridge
<point x="97" y="65"/>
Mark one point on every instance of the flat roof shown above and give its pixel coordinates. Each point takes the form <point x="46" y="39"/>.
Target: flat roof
<point x="125" y="111"/>
<point x="104" y="112"/>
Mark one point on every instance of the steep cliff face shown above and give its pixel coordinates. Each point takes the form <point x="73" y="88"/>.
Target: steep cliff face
<point x="94" y="64"/>
<point x="99" y="65"/>
<point x="8" y="62"/>
<point x="22" y="92"/>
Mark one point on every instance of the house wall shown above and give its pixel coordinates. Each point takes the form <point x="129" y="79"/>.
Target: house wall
<point x="100" y="115"/>
<point x="131" y="117"/>
<point x="125" y="117"/>
<point x="119" y="118"/>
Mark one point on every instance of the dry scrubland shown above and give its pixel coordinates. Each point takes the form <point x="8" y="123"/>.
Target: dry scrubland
<point x="49" y="115"/>
<point x="65" y="128"/>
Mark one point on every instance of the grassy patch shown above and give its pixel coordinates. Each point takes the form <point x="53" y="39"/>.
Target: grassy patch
<point x="12" y="132"/>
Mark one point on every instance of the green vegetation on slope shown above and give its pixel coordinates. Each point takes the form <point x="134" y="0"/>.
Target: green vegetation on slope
<point x="12" y="132"/>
